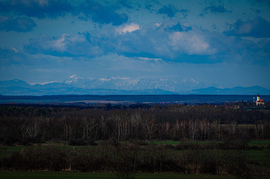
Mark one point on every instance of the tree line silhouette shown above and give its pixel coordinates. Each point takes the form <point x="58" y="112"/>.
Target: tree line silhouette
<point x="126" y="159"/>
<point x="34" y="124"/>
<point x="139" y="127"/>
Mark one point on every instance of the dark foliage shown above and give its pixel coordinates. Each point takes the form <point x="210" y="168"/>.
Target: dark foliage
<point x="26" y="125"/>
<point x="126" y="159"/>
<point x="110" y="125"/>
<point x="76" y="142"/>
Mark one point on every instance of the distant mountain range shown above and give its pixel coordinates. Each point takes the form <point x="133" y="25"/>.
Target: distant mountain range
<point x="120" y="86"/>
<point x="253" y="90"/>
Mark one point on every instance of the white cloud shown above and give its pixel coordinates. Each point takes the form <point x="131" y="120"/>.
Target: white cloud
<point x="148" y="44"/>
<point x="62" y="43"/>
<point x="113" y="78"/>
<point x="59" y="44"/>
<point x="45" y="83"/>
<point x="150" y="59"/>
<point x="128" y="28"/>
<point x="157" y="24"/>
<point x="245" y="28"/>
<point x="14" y="50"/>
<point x="191" y="43"/>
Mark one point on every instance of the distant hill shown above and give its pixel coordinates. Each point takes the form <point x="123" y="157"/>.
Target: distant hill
<point x="120" y="86"/>
<point x="14" y="83"/>
<point x="236" y="90"/>
<point x="18" y="87"/>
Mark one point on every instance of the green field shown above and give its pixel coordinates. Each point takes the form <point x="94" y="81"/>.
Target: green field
<point x="260" y="142"/>
<point x="257" y="155"/>
<point x="6" y="151"/>
<point x="74" y="175"/>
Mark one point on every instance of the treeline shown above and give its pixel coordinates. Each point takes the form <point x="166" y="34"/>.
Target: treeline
<point x="126" y="159"/>
<point x="23" y="125"/>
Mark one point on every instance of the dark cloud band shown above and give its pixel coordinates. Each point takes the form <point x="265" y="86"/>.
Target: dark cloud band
<point x="18" y="24"/>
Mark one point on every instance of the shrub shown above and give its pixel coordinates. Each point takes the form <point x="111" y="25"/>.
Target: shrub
<point x="188" y="146"/>
<point x="138" y="142"/>
<point x="234" y="144"/>
<point x="10" y="141"/>
<point x="255" y="147"/>
<point x="77" y="142"/>
<point x="236" y="163"/>
<point x="210" y="161"/>
<point x="112" y="142"/>
<point x="91" y="142"/>
<point x="168" y="147"/>
<point x="35" y="158"/>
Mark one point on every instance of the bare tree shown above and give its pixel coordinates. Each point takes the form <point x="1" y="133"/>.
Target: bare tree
<point x="31" y="128"/>
<point x="135" y="121"/>
<point x="150" y="126"/>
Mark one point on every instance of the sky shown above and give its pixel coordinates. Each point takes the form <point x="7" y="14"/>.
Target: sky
<point x="219" y="43"/>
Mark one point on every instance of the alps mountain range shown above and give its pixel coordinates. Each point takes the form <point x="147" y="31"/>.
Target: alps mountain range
<point x="116" y="86"/>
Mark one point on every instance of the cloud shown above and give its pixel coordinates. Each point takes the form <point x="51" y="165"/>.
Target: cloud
<point x="54" y="8"/>
<point x="190" y="43"/>
<point x="214" y="9"/>
<point x="176" y="26"/>
<point x="128" y="28"/>
<point x="125" y="4"/>
<point x="12" y="56"/>
<point x="149" y="7"/>
<point x="154" y="41"/>
<point x="150" y="42"/>
<point x="150" y="59"/>
<point x="258" y="28"/>
<point x="64" y="45"/>
<point x="19" y="24"/>
<point x="171" y="11"/>
<point x="37" y="8"/>
<point x="102" y="14"/>
<point x="7" y="53"/>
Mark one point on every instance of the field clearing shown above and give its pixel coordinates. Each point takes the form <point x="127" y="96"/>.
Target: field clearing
<point x="74" y="175"/>
<point x="257" y="155"/>
<point x="164" y="142"/>
<point x="6" y="151"/>
<point x="251" y="143"/>
<point x="260" y="142"/>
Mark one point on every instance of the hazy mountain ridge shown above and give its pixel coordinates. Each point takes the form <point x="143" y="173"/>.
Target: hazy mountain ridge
<point x="236" y="90"/>
<point x="132" y="84"/>
<point x="113" y="85"/>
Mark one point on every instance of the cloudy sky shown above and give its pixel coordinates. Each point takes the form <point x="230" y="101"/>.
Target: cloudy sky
<point x="221" y="43"/>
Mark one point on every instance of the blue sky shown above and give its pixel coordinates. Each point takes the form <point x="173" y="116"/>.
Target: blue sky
<point x="218" y="43"/>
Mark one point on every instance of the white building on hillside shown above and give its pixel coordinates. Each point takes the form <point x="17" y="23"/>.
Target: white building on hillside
<point x="259" y="102"/>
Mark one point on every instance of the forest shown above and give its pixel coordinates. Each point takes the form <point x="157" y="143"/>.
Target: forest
<point x="22" y="124"/>
<point x="129" y="139"/>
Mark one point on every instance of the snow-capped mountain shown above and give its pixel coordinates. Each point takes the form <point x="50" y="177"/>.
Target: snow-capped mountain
<point x="120" y="85"/>
<point x="126" y="83"/>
